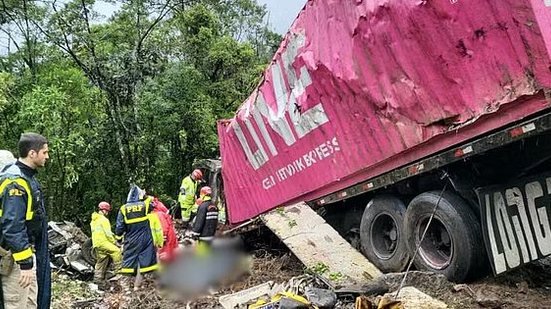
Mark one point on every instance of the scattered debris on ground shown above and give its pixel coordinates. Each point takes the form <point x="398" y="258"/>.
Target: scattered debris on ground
<point x="320" y="247"/>
<point x="70" y="250"/>
<point x="67" y="292"/>
<point x="288" y="280"/>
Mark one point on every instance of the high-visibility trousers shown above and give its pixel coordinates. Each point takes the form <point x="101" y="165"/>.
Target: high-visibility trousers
<point x="107" y="252"/>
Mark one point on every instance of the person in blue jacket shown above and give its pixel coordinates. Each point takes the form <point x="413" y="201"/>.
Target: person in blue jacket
<point x="142" y="233"/>
<point x="23" y="227"/>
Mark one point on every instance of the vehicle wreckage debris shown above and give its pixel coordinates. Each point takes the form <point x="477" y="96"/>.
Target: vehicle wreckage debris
<point x="291" y="283"/>
<point x="70" y="250"/>
<point x="319" y="246"/>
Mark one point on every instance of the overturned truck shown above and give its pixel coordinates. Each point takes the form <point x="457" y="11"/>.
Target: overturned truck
<point x="385" y="114"/>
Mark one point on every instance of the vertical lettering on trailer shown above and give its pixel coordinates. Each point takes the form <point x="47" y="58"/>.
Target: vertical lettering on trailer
<point x="303" y="121"/>
<point x="278" y="124"/>
<point x="506" y="232"/>
<point x="514" y="198"/>
<point x="539" y="217"/>
<point x="257" y="158"/>
<point x="314" y="117"/>
<point x="262" y="127"/>
<point x="499" y="258"/>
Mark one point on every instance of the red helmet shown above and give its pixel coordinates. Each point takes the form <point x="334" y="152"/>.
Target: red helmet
<point x="197" y="174"/>
<point x="104" y="206"/>
<point x="205" y="191"/>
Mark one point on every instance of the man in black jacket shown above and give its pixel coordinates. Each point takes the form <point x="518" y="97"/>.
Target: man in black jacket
<point x="23" y="226"/>
<point x="206" y="219"/>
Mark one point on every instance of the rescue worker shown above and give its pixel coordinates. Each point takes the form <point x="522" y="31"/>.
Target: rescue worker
<point x="103" y="243"/>
<point x="23" y="225"/>
<point x="187" y="196"/>
<point x="6" y="157"/>
<point x="206" y="220"/>
<point x="142" y="233"/>
<point x="168" y="251"/>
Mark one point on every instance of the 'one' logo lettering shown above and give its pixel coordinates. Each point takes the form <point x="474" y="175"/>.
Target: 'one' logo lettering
<point x="302" y="121"/>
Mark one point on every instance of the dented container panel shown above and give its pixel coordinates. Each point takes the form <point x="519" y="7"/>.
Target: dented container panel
<point x="358" y="88"/>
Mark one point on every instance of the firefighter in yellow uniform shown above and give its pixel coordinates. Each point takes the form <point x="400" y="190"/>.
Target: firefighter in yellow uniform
<point x="187" y="196"/>
<point x="103" y="242"/>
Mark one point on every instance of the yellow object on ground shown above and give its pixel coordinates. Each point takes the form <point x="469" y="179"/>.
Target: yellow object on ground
<point x="261" y="304"/>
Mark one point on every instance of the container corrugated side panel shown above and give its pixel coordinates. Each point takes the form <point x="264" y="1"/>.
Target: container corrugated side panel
<point x="360" y="87"/>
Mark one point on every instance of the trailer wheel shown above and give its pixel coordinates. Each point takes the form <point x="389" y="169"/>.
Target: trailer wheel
<point x="381" y="235"/>
<point x="453" y="243"/>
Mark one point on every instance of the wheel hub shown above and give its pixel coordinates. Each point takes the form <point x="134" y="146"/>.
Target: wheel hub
<point x="437" y="246"/>
<point x="384" y="236"/>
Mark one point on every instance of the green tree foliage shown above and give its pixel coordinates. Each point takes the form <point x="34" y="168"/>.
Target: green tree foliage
<point x="129" y="99"/>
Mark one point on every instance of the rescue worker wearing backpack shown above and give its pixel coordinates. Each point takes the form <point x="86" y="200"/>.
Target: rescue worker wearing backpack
<point x="187" y="196"/>
<point x="142" y="234"/>
<point x="23" y="224"/>
<point x="103" y="243"/>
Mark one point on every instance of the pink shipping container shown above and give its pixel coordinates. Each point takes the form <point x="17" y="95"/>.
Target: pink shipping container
<point x="359" y="88"/>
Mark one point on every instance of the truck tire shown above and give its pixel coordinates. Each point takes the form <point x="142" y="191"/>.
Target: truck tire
<point x="453" y="243"/>
<point x="381" y="234"/>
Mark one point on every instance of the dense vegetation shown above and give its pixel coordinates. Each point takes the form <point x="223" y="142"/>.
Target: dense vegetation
<point x="132" y="98"/>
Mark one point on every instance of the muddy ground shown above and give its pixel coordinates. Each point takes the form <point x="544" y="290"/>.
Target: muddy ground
<point x="527" y="287"/>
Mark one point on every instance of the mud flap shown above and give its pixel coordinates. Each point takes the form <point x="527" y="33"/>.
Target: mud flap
<point x="515" y="221"/>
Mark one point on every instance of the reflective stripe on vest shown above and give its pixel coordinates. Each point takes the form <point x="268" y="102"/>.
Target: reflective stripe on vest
<point x="23" y="255"/>
<point x="23" y="183"/>
<point x="138" y="219"/>
<point x="142" y="270"/>
<point x="189" y="197"/>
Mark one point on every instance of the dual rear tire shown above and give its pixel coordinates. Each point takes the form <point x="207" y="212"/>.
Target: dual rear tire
<point x="381" y="235"/>
<point x="390" y="233"/>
